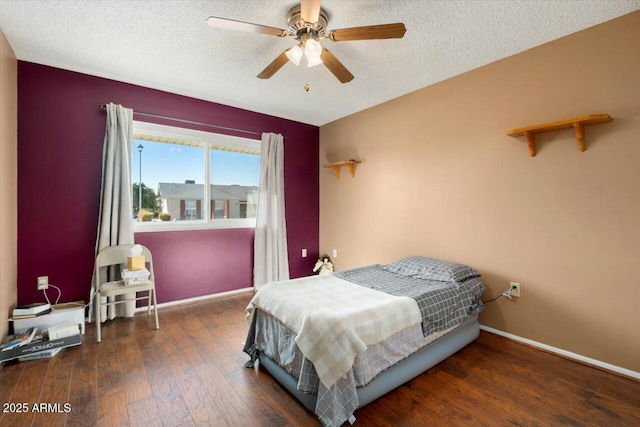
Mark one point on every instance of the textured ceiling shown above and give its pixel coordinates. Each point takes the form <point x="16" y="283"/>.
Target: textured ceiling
<point x="167" y="45"/>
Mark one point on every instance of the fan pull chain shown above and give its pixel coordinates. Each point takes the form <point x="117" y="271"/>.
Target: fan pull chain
<point x="306" y="74"/>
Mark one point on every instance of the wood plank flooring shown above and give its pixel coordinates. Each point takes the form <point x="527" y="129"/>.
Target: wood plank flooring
<point x="190" y="372"/>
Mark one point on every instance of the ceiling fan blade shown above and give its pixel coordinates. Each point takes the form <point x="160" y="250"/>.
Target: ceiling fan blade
<point x="310" y="10"/>
<point x="371" y="32"/>
<point x="272" y="68"/>
<point x="230" y="24"/>
<point x="335" y="66"/>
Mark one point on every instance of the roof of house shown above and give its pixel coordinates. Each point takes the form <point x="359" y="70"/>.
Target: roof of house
<point x="172" y="190"/>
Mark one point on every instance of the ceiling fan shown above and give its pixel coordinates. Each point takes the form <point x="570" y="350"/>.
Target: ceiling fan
<point x="308" y="25"/>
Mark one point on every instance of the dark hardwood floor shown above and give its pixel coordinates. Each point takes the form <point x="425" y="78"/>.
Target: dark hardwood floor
<point x="190" y="372"/>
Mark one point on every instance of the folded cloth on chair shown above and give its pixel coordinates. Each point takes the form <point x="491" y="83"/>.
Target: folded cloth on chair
<point x="334" y="320"/>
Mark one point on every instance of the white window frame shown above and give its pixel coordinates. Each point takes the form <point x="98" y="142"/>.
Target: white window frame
<point x="209" y="140"/>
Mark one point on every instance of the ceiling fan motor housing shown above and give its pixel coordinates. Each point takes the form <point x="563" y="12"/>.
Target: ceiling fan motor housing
<point x="300" y="30"/>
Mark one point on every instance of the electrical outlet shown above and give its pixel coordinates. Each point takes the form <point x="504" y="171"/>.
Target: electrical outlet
<point x="335" y="253"/>
<point x="515" y="289"/>
<point x="43" y="283"/>
<point x="304" y="253"/>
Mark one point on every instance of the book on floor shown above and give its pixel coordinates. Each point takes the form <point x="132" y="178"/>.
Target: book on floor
<point x="40" y="355"/>
<point x="34" y="347"/>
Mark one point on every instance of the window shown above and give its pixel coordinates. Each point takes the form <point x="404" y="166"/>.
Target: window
<point x="186" y="179"/>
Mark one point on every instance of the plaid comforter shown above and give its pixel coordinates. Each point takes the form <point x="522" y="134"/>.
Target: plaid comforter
<point x="442" y="304"/>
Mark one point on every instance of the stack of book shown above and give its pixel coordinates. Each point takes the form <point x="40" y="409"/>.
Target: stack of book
<point x="31" y="310"/>
<point x="37" y="343"/>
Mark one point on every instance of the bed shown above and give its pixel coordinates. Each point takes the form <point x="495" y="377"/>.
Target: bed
<point x="339" y="341"/>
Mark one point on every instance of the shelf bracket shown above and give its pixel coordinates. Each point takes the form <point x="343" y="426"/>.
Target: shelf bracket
<point x="579" y="128"/>
<point x="351" y="167"/>
<point x="531" y="142"/>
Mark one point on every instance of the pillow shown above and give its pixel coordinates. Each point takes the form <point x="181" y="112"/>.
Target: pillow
<point x="421" y="267"/>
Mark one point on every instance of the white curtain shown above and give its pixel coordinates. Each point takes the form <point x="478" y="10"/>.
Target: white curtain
<point x="271" y="261"/>
<point x="115" y="223"/>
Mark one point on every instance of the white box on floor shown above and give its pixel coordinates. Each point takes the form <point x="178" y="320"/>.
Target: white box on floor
<point x="71" y="312"/>
<point x="63" y="331"/>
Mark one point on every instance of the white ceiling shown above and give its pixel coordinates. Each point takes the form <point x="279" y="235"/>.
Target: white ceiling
<point x="167" y="45"/>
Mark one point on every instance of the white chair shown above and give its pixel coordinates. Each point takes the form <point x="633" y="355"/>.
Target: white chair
<point x="117" y="256"/>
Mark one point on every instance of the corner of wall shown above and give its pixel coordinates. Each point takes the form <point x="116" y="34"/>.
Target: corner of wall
<point x="8" y="181"/>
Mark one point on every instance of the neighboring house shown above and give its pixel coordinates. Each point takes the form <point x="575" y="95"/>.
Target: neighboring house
<point x="184" y="201"/>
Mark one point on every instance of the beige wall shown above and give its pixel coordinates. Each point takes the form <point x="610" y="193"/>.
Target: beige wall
<point x="8" y="181"/>
<point x="440" y="178"/>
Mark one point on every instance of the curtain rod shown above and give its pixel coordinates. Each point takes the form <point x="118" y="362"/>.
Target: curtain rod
<point x="103" y="107"/>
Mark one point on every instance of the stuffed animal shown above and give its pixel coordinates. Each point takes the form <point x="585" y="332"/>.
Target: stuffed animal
<point x="323" y="266"/>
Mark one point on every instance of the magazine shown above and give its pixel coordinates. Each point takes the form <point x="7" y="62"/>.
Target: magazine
<point x="19" y="340"/>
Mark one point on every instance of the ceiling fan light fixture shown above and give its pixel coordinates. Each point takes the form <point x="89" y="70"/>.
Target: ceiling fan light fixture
<point x="294" y="54"/>
<point x="312" y="49"/>
<point x="312" y="62"/>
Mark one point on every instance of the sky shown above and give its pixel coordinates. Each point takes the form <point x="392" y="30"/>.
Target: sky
<point x="163" y="162"/>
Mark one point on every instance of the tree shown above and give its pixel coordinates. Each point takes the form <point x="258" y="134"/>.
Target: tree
<point x="148" y="198"/>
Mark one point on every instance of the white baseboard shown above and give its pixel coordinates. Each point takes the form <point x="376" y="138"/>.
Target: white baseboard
<point x="565" y="353"/>
<point x="200" y="298"/>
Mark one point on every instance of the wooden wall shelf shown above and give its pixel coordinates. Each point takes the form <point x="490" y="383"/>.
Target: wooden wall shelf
<point x="577" y="123"/>
<point x="349" y="164"/>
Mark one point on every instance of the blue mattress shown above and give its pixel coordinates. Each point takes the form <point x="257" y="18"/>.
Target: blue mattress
<point x="396" y="375"/>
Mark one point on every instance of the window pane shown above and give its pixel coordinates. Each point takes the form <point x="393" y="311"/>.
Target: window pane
<point x="192" y="179"/>
<point x="172" y="177"/>
<point x="234" y="184"/>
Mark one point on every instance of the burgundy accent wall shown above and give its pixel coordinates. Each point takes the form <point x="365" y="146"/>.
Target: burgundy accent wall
<point x="60" y="136"/>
